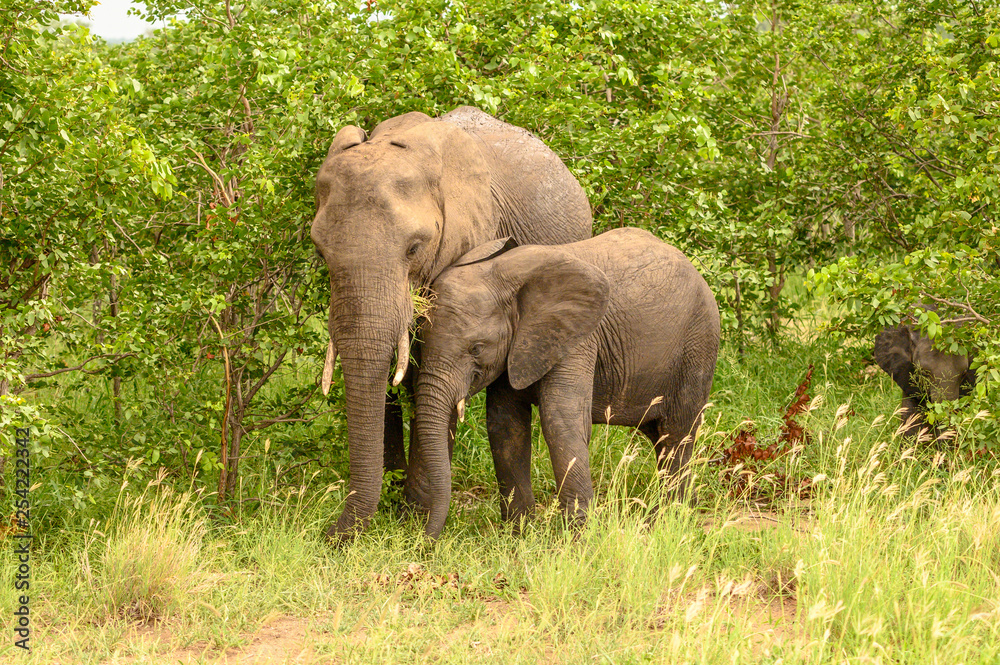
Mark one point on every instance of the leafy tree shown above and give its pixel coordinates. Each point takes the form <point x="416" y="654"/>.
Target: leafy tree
<point x="156" y="197"/>
<point x="70" y="164"/>
<point x="928" y="125"/>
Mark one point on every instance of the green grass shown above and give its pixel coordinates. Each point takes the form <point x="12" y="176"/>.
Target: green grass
<point x="894" y="558"/>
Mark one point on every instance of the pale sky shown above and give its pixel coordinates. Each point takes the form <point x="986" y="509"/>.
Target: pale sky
<point x="108" y="20"/>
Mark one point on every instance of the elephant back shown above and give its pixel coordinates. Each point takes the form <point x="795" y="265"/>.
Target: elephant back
<point x="537" y="199"/>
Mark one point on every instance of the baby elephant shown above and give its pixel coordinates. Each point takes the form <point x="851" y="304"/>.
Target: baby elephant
<point x="621" y="323"/>
<point x="924" y="373"/>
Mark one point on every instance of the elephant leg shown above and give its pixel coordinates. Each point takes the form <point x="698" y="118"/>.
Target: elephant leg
<point x="911" y="418"/>
<point x="674" y="444"/>
<point x="564" y="400"/>
<point x="393" y="455"/>
<point x="651" y="428"/>
<point x="680" y="417"/>
<point x="508" y="424"/>
<point x="417" y="488"/>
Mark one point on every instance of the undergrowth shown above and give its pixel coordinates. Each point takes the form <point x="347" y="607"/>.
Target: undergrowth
<point x="890" y="556"/>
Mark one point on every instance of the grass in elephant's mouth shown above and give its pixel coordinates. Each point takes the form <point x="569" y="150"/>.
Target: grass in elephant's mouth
<point x="892" y="559"/>
<point x="423" y="302"/>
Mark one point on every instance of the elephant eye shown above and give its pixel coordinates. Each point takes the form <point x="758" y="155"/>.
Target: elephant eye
<point x="412" y="251"/>
<point x="476" y="349"/>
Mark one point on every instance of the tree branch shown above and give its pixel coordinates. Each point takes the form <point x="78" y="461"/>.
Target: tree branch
<point x="11" y="136"/>
<point x="220" y="186"/>
<point x="224" y="452"/>
<point x="286" y="418"/>
<point x="270" y="370"/>
<point x="976" y="316"/>
<point x="44" y="375"/>
<point x="292" y="468"/>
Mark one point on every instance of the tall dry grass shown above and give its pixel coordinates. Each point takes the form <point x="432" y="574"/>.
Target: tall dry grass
<point x="149" y="557"/>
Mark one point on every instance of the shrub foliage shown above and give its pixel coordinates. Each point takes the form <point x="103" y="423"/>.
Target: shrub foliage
<point x="160" y="299"/>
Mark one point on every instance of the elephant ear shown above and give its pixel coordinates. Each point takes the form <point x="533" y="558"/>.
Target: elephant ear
<point x="399" y="123"/>
<point x="486" y="252"/>
<point x="347" y="137"/>
<point x="461" y="172"/>
<point x="894" y="354"/>
<point x="969" y="379"/>
<point x="559" y="304"/>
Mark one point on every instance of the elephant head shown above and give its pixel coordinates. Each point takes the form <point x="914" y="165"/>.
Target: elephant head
<point x="924" y="373"/>
<point x="392" y="211"/>
<point x="518" y="311"/>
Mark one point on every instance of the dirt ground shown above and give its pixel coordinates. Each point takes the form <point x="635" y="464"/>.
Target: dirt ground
<point x="282" y="639"/>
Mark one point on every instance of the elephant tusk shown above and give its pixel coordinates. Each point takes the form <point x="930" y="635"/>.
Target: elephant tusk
<point x="461" y="410"/>
<point x="402" y="356"/>
<point x="331" y="358"/>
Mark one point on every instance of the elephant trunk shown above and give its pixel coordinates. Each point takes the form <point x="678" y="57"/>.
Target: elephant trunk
<point x="429" y="473"/>
<point x="946" y="387"/>
<point x="365" y="342"/>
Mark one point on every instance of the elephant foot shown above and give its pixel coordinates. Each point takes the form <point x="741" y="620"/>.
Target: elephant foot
<point x="352" y="521"/>
<point x="338" y="537"/>
<point x="683" y="501"/>
<point x="518" y="524"/>
<point x="516" y="511"/>
<point x="684" y="496"/>
<point x="415" y="500"/>
<point x="575" y="524"/>
<point x="516" y="504"/>
<point x="574" y="511"/>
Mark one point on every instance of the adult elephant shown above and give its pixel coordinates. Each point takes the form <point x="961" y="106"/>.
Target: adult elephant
<point x="392" y="211"/>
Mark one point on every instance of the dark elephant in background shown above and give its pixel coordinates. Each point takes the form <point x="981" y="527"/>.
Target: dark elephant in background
<point x="924" y="373"/>
<point x="392" y="211"/>
<point x="620" y="328"/>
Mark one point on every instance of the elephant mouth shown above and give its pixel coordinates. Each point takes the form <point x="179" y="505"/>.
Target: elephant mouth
<point x="402" y="361"/>
<point x="402" y="352"/>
